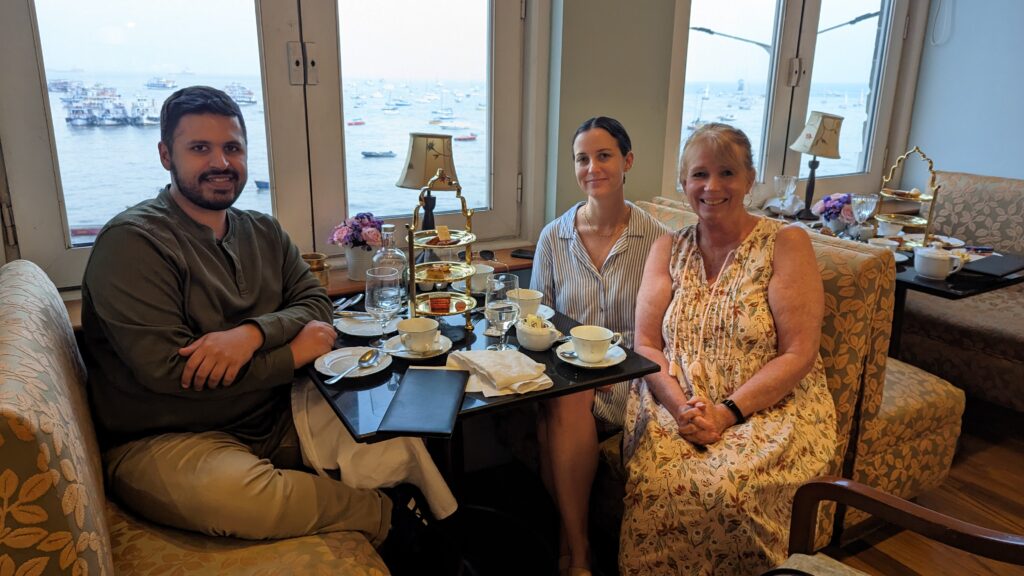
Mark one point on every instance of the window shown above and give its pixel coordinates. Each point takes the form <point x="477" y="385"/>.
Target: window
<point x="763" y="67"/>
<point x="102" y="69"/>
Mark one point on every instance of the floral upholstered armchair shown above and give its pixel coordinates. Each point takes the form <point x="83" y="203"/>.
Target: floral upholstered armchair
<point x="54" y="516"/>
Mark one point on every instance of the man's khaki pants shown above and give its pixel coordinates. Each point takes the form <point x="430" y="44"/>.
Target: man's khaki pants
<point x="214" y="483"/>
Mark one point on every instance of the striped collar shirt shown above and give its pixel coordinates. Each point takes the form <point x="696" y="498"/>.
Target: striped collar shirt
<point x="572" y="285"/>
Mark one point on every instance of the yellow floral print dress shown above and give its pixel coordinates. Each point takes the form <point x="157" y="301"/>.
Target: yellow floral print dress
<point x="725" y="510"/>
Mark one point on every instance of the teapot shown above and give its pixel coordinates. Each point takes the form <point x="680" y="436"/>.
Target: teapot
<point x="935" y="262"/>
<point x="536" y="338"/>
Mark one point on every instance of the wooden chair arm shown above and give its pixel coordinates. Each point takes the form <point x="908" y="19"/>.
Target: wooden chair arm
<point x="971" y="538"/>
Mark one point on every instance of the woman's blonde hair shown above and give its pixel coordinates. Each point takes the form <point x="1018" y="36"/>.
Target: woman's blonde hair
<point x="725" y="142"/>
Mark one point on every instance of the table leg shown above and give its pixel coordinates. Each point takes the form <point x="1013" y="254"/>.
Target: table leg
<point x="899" y="302"/>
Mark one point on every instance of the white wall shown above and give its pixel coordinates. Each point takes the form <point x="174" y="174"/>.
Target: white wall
<point x="969" y="108"/>
<point x="609" y="58"/>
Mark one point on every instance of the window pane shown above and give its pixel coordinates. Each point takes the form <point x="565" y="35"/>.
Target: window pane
<point x="728" y="65"/>
<point x="844" y="81"/>
<point x="423" y="72"/>
<point x="109" y="68"/>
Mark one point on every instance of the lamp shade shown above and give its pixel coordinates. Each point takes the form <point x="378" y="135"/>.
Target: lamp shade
<point x="820" y="136"/>
<point x="427" y="153"/>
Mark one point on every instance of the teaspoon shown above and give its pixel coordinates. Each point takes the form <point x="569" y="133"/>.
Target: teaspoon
<point x="368" y="359"/>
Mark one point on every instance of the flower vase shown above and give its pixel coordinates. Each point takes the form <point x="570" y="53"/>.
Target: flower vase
<point x="835" y="225"/>
<point x="360" y="259"/>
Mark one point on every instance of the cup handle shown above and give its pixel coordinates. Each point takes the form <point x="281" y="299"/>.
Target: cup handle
<point x="616" y="339"/>
<point x="958" y="263"/>
<point x="401" y="338"/>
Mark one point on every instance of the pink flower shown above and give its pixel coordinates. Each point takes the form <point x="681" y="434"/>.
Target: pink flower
<point x="846" y="214"/>
<point x="372" y="236"/>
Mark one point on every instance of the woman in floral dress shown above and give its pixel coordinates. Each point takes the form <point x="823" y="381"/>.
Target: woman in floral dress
<point x="739" y="416"/>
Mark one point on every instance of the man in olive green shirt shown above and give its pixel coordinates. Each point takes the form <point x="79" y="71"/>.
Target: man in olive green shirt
<point x="195" y="317"/>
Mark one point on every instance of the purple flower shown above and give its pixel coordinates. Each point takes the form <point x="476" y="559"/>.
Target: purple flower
<point x="835" y="206"/>
<point x="360" y="230"/>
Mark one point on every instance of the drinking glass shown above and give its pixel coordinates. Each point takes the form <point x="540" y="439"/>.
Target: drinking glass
<point x="863" y="206"/>
<point x="785" y="186"/>
<point x="500" y="308"/>
<point x="383" y="297"/>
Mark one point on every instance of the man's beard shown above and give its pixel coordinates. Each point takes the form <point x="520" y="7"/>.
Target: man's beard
<point x="192" y="191"/>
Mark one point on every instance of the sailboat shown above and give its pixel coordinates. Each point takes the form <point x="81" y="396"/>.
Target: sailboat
<point x="698" y="121"/>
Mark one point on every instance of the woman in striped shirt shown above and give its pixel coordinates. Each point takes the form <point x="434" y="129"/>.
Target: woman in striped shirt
<point x="589" y="263"/>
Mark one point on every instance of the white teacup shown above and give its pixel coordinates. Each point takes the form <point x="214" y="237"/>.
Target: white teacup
<point x="888" y="228"/>
<point x="478" y="281"/>
<point x="419" y="334"/>
<point x="591" y="343"/>
<point x="529" y="300"/>
<point x="889" y="245"/>
<point x="936" y="263"/>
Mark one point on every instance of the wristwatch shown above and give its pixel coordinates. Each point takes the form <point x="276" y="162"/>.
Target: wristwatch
<point x="728" y="403"/>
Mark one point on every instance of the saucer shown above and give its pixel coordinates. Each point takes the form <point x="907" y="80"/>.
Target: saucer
<point x="394" y="343"/>
<point x="460" y="286"/>
<point x="363" y="326"/>
<point x="545" y="312"/>
<point x="949" y="241"/>
<point x="615" y="355"/>
<point x="337" y="361"/>
<point x="901" y="257"/>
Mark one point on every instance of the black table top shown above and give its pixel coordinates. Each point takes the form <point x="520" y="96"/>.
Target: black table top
<point x="958" y="285"/>
<point x="362" y="402"/>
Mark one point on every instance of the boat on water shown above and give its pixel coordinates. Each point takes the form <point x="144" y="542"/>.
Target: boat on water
<point x="156" y="83"/>
<point x="356" y="122"/>
<point x="262" y="185"/>
<point x="727" y="117"/>
<point x="240" y="94"/>
<point x="465" y="137"/>
<point x="372" y="154"/>
<point x="453" y="125"/>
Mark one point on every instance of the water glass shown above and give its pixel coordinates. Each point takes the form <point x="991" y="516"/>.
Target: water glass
<point x="383" y="297"/>
<point x="501" y="307"/>
<point x="785" y="186"/>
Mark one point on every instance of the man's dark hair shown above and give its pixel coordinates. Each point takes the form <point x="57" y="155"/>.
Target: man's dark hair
<point x="609" y="125"/>
<point x="196" y="100"/>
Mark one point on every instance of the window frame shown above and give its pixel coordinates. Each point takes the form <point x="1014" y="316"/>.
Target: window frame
<point x="305" y="133"/>
<point x="788" y="106"/>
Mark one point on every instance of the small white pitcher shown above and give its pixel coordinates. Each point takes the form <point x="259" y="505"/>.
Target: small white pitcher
<point x="935" y="262"/>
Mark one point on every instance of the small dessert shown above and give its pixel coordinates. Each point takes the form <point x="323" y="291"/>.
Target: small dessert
<point x="533" y="321"/>
<point x="438" y="271"/>
<point x="440" y="304"/>
<point x="460" y="305"/>
<point x="443" y="238"/>
<point x="907" y="194"/>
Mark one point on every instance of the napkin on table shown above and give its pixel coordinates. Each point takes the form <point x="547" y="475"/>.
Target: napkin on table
<point x="500" y="372"/>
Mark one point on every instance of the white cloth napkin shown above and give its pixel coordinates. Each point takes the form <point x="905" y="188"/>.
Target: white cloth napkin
<point x="500" y="372"/>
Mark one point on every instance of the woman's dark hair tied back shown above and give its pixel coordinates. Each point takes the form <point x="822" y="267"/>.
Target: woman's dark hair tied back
<point x="609" y="125"/>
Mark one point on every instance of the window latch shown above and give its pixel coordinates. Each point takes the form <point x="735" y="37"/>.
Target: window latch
<point x="302" y="64"/>
<point x="795" y="72"/>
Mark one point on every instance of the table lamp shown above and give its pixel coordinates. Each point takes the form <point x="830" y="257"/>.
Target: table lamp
<point x="820" y="137"/>
<point x="429" y="166"/>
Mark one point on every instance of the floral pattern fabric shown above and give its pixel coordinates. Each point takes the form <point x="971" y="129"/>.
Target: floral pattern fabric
<point x="726" y="509"/>
<point x="976" y="343"/>
<point x="54" y="517"/>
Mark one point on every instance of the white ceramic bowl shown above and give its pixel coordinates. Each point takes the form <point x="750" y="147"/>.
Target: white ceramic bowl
<point x="536" y="339"/>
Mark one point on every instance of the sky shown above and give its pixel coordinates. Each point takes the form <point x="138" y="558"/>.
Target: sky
<point x="410" y="39"/>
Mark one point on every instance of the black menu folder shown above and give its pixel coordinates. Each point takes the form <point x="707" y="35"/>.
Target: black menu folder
<point x="997" y="265"/>
<point x="426" y="403"/>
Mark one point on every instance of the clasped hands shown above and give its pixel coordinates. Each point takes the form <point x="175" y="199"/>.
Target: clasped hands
<point x="216" y="358"/>
<point x="701" y="422"/>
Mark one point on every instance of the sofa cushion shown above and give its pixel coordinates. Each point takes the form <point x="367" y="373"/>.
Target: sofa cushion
<point x="673" y="218"/>
<point x="50" y="475"/>
<point x="983" y="210"/>
<point x="143" y="548"/>
<point x="976" y="343"/>
<point x="908" y="447"/>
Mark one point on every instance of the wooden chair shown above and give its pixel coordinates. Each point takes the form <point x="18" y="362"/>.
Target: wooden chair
<point x="939" y="527"/>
